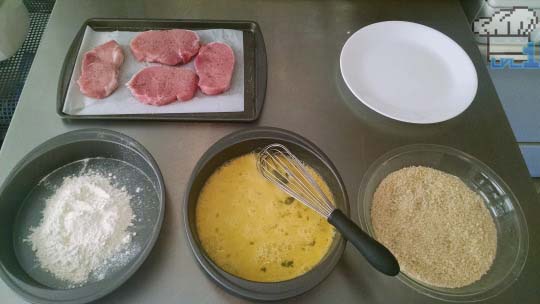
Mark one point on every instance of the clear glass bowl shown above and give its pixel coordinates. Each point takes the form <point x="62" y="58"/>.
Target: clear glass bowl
<point x="512" y="235"/>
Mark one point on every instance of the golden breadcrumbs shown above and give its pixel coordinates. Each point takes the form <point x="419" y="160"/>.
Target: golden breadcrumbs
<point x="438" y="229"/>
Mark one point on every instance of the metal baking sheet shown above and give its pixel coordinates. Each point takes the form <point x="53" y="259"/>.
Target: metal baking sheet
<point x="255" y="68"/>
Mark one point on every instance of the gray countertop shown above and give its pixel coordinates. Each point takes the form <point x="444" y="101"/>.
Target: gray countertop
<point x="305" y="95"/>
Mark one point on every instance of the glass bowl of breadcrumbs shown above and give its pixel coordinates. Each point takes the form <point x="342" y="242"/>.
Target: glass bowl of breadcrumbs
<point x="454" y="225"/>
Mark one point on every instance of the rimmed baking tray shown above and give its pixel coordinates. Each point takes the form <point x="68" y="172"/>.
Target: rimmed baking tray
<point x="255" y="67"/>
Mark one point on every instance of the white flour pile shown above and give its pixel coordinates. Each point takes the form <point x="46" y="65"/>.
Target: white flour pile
<point x="84" y="225"/>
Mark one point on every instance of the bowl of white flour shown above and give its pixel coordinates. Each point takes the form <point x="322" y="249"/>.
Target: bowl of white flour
<point x="81" y="213"/>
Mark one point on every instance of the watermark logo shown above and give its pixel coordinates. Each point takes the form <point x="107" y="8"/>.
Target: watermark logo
<point x="511" y="63"/>
<point x="510" y="38"/>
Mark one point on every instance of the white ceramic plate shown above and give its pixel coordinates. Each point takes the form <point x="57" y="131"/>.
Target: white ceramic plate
<point x="409" y="72"/>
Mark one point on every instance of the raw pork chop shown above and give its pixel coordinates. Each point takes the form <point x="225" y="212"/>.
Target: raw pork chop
<point x="100" y="69"/>
<point x="169" y="47"/>
<point x="214" y="65"/>
<point x="161" y="85"/>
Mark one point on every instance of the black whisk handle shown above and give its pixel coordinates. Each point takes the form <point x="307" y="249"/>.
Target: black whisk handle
<point x="375" y="253"/>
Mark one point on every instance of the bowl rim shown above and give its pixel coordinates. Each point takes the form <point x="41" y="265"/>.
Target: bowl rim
<point x="32" y="293"/>
<point x="519" y="262"/>
<point x="212" y="269"/>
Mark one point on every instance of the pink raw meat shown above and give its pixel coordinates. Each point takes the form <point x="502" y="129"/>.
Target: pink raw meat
<point x="100" y="70"/>
<point x="161" y="85"/>
<point x="215" y="65"/>
<point x="169" y="47"/>
<point x="109" y="52"/>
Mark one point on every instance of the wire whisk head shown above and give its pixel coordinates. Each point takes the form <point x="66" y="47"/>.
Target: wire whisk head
<point x="281" y="167"/>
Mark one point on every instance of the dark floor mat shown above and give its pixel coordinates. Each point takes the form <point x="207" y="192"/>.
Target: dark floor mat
<point x="14" y="70"/>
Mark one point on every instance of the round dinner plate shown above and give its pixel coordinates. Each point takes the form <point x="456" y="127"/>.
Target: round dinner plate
<point x="408" y="72"/>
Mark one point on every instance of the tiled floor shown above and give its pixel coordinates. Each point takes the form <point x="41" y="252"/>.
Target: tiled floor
<point x="14" y="70"/>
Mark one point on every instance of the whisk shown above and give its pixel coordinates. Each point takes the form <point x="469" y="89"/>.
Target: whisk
<point x="278" y="165"/>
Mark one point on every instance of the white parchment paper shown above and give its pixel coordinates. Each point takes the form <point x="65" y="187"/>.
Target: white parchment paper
<point x="122" y="102"/>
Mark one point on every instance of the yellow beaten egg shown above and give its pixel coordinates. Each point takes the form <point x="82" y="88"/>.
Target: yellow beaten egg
<point x="252" y="229"/>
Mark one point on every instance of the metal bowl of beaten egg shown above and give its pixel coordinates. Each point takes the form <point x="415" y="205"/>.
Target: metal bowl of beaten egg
<point x="239" y="144"/>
